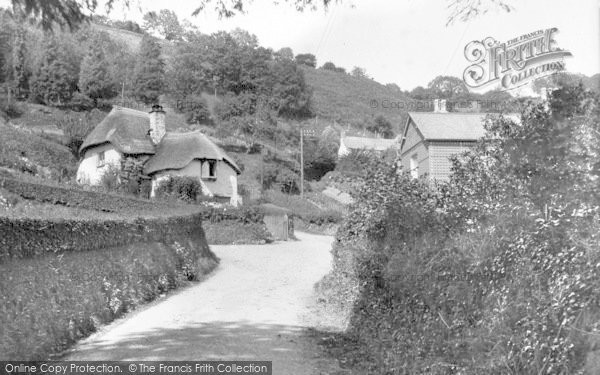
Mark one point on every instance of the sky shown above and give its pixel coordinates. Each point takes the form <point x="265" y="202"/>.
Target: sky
<point x="405" y="42"/>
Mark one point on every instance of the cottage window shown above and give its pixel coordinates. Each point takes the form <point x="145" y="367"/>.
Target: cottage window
<point x="101" y="159"/>
<point x="212" y="169"/>
<point x="414" y="166"/>
<point x="209" y="169"/>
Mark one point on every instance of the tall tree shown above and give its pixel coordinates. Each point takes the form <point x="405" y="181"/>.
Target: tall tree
<point x="51" y="84"/>
<point x="20" y="72"/>
<point x="94" y="78"/>
<point x="149" y="75"/>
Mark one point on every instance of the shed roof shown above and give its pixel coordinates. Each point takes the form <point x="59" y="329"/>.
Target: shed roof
<point x="361" y="143"/>
<point x="177" y="150"/>
<point x="124" y="128"/>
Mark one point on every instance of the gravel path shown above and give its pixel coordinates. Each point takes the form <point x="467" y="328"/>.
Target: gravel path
<point x="256" y="305"/>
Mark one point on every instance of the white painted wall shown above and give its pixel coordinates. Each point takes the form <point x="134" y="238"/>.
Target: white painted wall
<point x="89" y="172"/>
<point x="343" y="150"/>
<point x="222" y="185"/>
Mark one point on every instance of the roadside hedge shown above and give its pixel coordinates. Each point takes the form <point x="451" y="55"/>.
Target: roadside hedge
<point x="23" y="238"/>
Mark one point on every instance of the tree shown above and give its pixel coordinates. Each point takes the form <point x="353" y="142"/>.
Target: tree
<point x="244" y="39"/>
<point x="20" y="72"/>
<point x="165" y="23"/>
<point x="421" y="93"/>
<point x="94" y="78"/>
<point x="307" y="59"/>
<point x="359" y="72"/>
<point x="148" y="81"/>
<point x="51" y="84"/>
<point x="196" y="110"/>
<point x="331" y="66"/>
<point x="290" y="93"/>
<point x="284" y="53"/>
<point x="446" y="87"/>
<point x="382" y="126"/>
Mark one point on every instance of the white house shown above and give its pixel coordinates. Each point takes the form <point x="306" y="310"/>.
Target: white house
<point x="348" y="144"/>
<point x="138" y="141"/>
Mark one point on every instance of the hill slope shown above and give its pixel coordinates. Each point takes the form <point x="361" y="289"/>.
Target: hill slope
<point x="354" y="101"/>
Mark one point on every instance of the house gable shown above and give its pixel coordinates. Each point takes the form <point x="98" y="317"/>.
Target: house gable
<point x="412" y="136"/>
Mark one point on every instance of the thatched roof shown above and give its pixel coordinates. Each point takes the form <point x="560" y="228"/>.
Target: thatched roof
<point x="177" y="150"/>
<point x="126" y="129"/>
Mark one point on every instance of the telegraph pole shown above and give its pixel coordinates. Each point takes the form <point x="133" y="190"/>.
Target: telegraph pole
<point x="301" y="163"/>
<point x="303" y="132"/>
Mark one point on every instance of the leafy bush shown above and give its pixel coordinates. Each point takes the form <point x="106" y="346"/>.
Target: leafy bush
<point x="80" y="102"/>
<point x="13" y="109"/>
<point x="494" y="272"/>
<point x="184" y="188"/>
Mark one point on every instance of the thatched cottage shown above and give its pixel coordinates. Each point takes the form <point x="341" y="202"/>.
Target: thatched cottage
<point x="137" y="145"/>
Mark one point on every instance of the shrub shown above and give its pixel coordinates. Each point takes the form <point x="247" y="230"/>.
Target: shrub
<point x="110" y="178"/>
<point x="185" y="188"/>
<point x="80" y="102"/>
<point x="495" y="272"/>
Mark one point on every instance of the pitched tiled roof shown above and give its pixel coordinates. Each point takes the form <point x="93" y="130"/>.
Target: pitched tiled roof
<point x="124" y="128"/>
<point x="177" y="150"/>
<point x="449" y="126"/>
<point x="360" y="143"/>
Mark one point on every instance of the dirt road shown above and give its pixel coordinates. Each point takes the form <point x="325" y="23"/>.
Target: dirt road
<point x="255" y="306"/>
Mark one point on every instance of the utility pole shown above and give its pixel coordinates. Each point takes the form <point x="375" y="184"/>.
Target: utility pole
<point x="301" y="163"/>
<point x="303" y="132"/>
<point x="123" y="94"/>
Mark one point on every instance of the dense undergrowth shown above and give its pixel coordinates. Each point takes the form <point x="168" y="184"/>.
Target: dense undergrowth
<point x="495" y="272"/>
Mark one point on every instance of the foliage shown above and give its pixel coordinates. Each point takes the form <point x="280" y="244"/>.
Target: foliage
<point x="236" y="233"/>
<point x="494" y="272"/>
<point x="331" y="66"/>
<point x="356" y="163"/>
<point x="94" y="78"/>
<point x="307" y="59"/>
<point x="77" y="125"/>
<point x="196" y="110"/>
<point x="276" y="176"/>
<point x="51" y="83"/>
<point x="50" y="302"/>
<point x="164" y="23"/>
<point x="185" y="188"/>
<point x="381" y="126"/>
<point x="148" y="81"/>
<point x="358" y="72"/>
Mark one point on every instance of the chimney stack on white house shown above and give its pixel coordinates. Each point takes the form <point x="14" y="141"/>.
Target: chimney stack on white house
<point x="439" y="106"/>
<point x="157" y="123"/>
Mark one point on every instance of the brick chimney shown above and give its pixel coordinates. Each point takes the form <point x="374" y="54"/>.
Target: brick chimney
<point x="157" y="123"/>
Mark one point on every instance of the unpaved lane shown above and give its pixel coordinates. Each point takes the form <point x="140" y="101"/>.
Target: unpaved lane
<point x="255" y="306"/>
